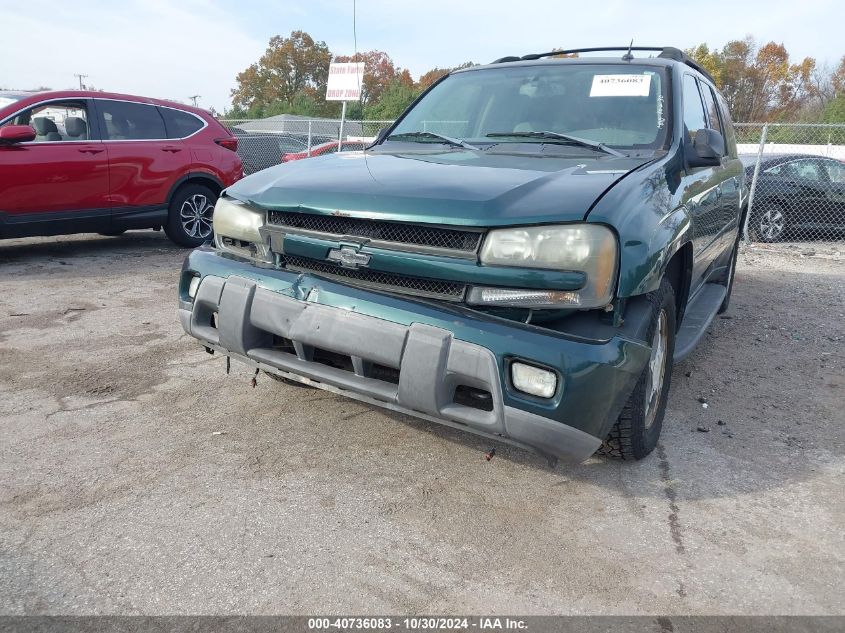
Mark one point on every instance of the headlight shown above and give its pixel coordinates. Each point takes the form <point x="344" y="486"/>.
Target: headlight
<point x="589" y="248"/>
<point x="233" y="218"/>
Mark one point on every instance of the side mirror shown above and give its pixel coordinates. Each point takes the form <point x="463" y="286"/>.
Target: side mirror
<point x="708" y="147"/>
<point x="382" y="133"/>
<point x="17" y="134"/>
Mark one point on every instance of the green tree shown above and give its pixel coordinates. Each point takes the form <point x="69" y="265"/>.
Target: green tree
<point x="711" y="61"/>
<point x="396" y="97"/>
<point x="834" y="110"/>
<point x="838" y="78"/>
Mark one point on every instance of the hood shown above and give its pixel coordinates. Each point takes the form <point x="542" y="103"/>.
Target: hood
<point x="441" y="186"/>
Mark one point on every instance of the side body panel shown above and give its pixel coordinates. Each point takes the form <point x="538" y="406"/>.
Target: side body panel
<point x="664" y="205"/>
<point x="55" y="187"/>
<point x="141" y="172"/>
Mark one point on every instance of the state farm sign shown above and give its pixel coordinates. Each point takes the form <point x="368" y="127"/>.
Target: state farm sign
<point x="345" y="82"/>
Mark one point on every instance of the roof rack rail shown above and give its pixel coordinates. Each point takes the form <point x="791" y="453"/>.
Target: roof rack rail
<point x="666" y="52"/>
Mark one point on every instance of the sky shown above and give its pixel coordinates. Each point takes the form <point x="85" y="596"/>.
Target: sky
<point x="176" y="49"/>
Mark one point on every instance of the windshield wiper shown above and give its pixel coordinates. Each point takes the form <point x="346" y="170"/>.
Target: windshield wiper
<point x="446" y="139"/>
<point x="566" y="138"/>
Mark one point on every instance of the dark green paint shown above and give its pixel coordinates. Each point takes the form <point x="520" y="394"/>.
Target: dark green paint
<point x="439" y="186"/>
<point x="654" y="203"/>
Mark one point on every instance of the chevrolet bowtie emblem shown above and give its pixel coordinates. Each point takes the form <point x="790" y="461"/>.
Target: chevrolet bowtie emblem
<point x="348" y="257"/>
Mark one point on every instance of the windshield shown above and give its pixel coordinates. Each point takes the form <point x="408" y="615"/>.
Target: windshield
<point x="618" y="105"/>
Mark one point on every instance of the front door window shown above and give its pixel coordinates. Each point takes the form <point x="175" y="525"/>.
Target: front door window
<point x="55" y="121"/>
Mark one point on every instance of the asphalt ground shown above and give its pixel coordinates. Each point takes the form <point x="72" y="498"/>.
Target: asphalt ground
<point x="137" y="477"/>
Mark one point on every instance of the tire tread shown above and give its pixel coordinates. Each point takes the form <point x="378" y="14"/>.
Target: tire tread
<point x="627" y="439"/>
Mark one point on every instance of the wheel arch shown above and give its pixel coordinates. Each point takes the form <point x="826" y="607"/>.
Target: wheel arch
<point x="196" y="178"/>
<point x="678" y="271"/>
<point x="644" y="261"/>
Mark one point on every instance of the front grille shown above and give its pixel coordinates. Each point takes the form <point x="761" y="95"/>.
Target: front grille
<point x="432" y="288"/>
<point x="416" y="234"/>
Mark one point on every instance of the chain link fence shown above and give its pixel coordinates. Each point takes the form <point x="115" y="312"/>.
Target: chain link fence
<point x="263" y="143"/>
<point x="795" y="175"/>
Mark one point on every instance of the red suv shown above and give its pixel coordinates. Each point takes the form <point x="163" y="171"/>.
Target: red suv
<point x="78" y="162"/>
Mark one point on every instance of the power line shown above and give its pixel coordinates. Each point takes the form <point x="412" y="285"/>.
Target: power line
<point x="81" y="77"/>
<point x="194" y="99"/>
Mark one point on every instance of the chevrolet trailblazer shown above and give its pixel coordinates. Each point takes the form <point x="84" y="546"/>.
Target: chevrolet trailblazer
<point x="523" y="254"/>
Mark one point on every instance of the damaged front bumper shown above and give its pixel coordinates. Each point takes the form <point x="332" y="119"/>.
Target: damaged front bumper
<point x="442" y="363"/>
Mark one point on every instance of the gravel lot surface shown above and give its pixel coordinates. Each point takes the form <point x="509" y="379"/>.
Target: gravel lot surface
<point x="136" y="477"/>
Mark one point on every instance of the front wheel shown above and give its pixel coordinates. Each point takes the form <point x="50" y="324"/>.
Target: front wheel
<point x="189" y="215"/>
<point x="636" y="431"/>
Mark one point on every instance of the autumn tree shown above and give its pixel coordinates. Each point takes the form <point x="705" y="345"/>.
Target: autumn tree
<point x="760" y="83"/>
<point x="428" y="78"/>
<point x="291" y="68"/>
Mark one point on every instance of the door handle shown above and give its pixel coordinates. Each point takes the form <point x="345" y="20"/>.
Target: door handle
<point x="171" y="149"/>
<point x="91" y="150"/>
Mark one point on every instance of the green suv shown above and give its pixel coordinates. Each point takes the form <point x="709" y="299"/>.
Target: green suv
<point x="523" y="254"/>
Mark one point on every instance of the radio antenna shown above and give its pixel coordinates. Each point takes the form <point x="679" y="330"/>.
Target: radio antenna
<point x="355" y="48"/>
<point x="629" y="56"/>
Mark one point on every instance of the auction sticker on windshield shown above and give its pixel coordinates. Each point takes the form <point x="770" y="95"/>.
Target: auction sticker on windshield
<point x="620" y="86"/>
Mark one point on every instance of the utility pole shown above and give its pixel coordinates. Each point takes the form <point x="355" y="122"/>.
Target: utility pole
<point x="81" y="77"/>
<point x="194" y="99"/>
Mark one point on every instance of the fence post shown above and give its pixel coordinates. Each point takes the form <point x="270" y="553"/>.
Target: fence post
<point x="309" y="138"/>
<point x="754" y="183"/>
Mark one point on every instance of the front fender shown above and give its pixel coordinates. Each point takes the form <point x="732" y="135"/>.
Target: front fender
<point x="647" y="211"/>
<point x="669" y="236"/>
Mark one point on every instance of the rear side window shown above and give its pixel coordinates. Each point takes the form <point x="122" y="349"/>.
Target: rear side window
<point x="730" y="135"/>
<point x="694" y="118"/>
<point x="835" y="171"/>
<point x="712" y="109"/>
<point x="180" y="124"/>
<point x="125" y="121"/>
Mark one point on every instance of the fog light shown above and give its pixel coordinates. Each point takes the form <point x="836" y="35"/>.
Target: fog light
<point x="193" y="286"/>
<point x="533" y="380"/>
